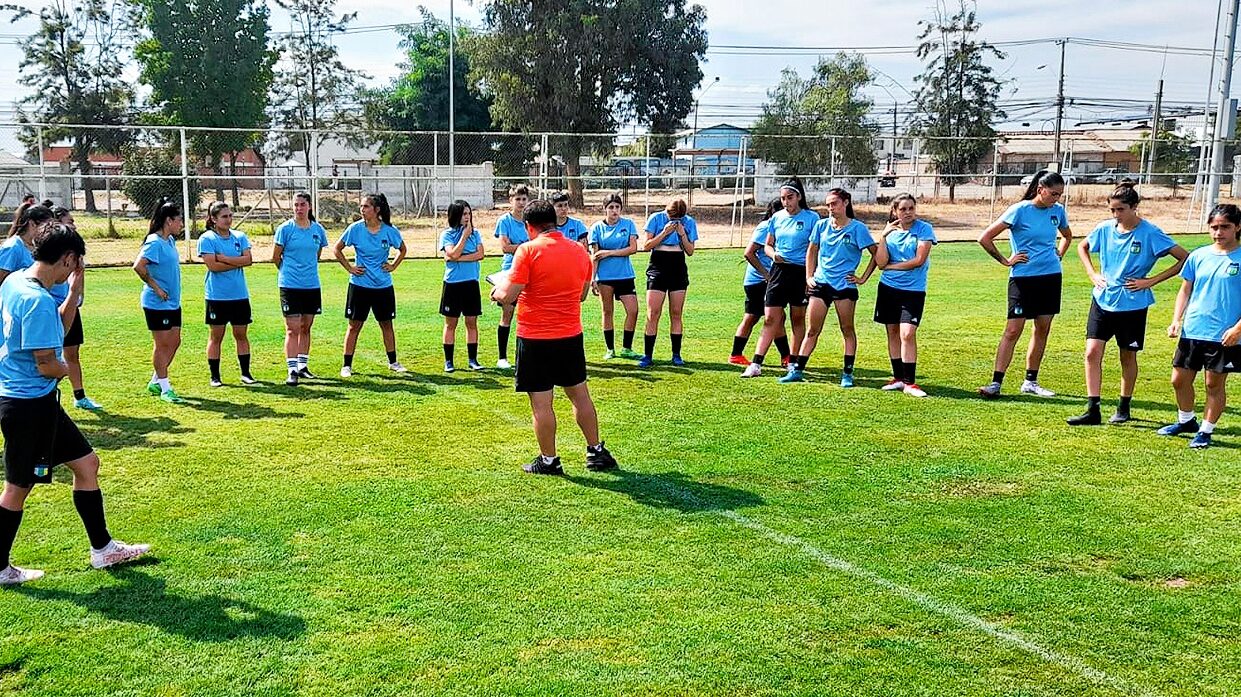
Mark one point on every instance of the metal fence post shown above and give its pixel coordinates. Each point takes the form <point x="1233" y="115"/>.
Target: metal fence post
<point x="187" y="213"/>
<point x="313" y="167"/>
<point x="107" y="187"/>
<point x="546" y="166"/>
<point x="995" y="175"/>
<point x="42" y="175"/>
<point x="435" y="175"/>
<point x="915" y="167"/>
<point x="831" y="168"/>
<point x="646" y="167"/>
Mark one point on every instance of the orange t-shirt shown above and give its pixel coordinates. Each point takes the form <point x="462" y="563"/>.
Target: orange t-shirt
<point x="554" y="271"/>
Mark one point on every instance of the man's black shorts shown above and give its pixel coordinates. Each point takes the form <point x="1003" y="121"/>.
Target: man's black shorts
<point x="828" y="294"/>
<point x="1034" y="296"/>
<point x="786" y="286"/>
<point x="620" y="287"/>
<point x="1196" y="355"/>
<point x="234" y="312"/>
<point x="461" y="298"/>
<point x="667" y="272"/>
<point x="37" y="432"/>
<point x="74" y="336"/>
<point x="1128" y="327"/>
<point x="546" y="363"/>
<point x="161" y="320"/>
<point x="755" y="296"/>
<point x="301" y="301"/>
<point x="360" y="302"/>
<point x="896" y="306"/>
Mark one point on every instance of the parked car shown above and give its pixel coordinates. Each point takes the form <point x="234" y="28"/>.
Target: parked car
<point x="887" y="179"/>
<point x="1111" y="175"/>
<point x="1069" y="177"/>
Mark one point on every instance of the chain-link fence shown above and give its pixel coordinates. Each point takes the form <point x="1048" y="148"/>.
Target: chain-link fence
<point x="110" y="177"/>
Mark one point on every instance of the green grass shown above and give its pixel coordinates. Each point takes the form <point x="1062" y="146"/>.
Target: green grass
<point x="377" y="537"/>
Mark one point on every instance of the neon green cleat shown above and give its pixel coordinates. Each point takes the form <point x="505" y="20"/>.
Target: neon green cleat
<point x="171" y="397"/>
<point x="153" y="388"/>
<point x="629" y="353"/>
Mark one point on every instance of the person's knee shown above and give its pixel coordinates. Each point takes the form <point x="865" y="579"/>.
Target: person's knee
<point x="1094" y="352"/>
<point x="1182" y="378"/>
<point x="87" y="467"/>
<point x="1012" y="332"/>
<point x="14" y="495"/>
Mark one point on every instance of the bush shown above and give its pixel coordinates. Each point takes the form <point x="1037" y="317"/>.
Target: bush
<point x="145" y="193"/>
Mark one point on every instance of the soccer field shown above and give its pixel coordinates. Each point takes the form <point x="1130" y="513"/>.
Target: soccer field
<point x="376" y="536"/>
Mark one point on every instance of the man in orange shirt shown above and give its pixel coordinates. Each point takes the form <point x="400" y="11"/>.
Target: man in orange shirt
<point x="551" y="278"/>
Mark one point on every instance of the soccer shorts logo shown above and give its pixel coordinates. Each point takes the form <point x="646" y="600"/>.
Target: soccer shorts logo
<point x="1017" y="310"/>
<point x="167" y="322"/>
<point x="211" y="315"/>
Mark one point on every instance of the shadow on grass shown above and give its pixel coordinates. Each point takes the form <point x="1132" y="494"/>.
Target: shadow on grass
<point x="671" y="490"/>
<point x="595" y="371"/>
<point x="478" y="379"/>
<point x="238" y="410"/>
<point x="307" y="389"/>
<point x="142" y="599"/>
<point x="112" y="431"/>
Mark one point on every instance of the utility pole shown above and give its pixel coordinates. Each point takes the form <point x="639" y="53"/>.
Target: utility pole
<point x="1059" y="104"/>
<point x="1223" y="119"/>
<point x="892" y="154"/>
<point x="452" y="116"/>
<point x="1155" y="123"/>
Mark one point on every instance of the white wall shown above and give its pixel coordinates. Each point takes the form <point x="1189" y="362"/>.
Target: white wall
<point x="767" y="185"/>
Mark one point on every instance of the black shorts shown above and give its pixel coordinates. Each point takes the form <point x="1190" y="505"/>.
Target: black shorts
<point x="828" y="294"/>
<point x="161" y="320"/>
<point x="1128" y="327"/>
<point x="620" y="287"/>
<point x="667" y="272"/>
<point x="234" y="312"/>
<point x="461" y="298"/>
<point x="1196" y="355"/>
<point x="38" y="432"/>
<point x="755" y="294"/>
<point x="360" y="302"/>
<point x="74" y="337"/>
<point x="1034" y="296"/>
<point x="786" y="286"/>
<point x="301" y="301"/>
<point x="546" y="363"/>
<point x="896" y="306"/>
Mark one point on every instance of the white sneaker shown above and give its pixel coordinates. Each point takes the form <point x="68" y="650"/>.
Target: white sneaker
<point x="752" y="371"/>
<point x="396" y="367"/>
<point x="503" y="364"/>
<point x="116" y="552"/>
<point x="990" y="391"/>
<point x="247" y="380"/>
<point x="346" y="372"/>
<point x="13" y="576"/>
<point x="1031" y="387"/>
<point x="914" y="391"/>
<point x="893" y="384"/>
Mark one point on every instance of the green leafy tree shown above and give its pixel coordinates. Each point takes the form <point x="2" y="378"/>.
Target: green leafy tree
<point x="74" y="63"/>
<point x="208" y="64"/>
<point x="828" y="103"/>
<point x="581" y="67"/>
<point x="1174" y="157"/>
<point x="155" y="162"/>
<point x="958" y="93"/>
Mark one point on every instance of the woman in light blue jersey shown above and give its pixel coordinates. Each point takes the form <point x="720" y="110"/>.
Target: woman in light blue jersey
<point x="370" y="276"/>
<point x="462" y="247"/>
<point x="613" y="241"/>
<point x="1128" y="248"/>
<point x="226" y="253"/>
<point x="754" y="285"/>
<point x="298" y="247"/>
<point x="511" y="232"/>
<point x="1040" y="237"/>
<point x="570" y="227"/>
<point x="159" y="267"/>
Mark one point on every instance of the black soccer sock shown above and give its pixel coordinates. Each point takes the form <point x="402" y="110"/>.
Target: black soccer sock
<point x="502" y="341"/>
<point x="79" y="394"/>
<point x="758" y="358"/>
<point x="898" y="369"/>
<point x="628" y="339"/>
<point x="90" y="509"/>
<point x="848" y="366"/>
<point x="648" y="343"/>
<point x="471" y="350"/>
<point x="1092" y="403"/>
<point x="243" y="360"/>
<point x="801" y="361"/>
<point x="782" y="345"/>
<point x="676" y="343"/>
<point x="348" y="360"/>
<point x="998" y="377"/>
<point x="448" y="349"/>
<point x="609" y="338"/>
<point x="910" y="373"/>
<point x="392" y="356"/>
<point x="10" y="521"/>
<point x="1032" y="375"/>
<point x="1123" y="407"/>
<point x="214" y="365"/>
<point x="739" y="343"/>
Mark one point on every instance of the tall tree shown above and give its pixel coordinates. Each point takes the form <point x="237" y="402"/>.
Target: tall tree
<point x="828" y="103"/>
<point x="313" y="89"/>
<point x="208" y="64"/>
<point x="958" y="93"/>
<point x="580" y="67"/>
<point x="74" y="64"/>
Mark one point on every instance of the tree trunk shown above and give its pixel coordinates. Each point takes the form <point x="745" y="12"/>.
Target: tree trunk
<point x="82" y="150"/>
<point x="952" y="192"/>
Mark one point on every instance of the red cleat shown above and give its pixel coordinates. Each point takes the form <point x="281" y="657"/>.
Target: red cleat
<point x="784" y="361"/>
<point x="739" y="360"/>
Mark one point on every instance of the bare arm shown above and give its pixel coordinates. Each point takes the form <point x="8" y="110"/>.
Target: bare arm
<point x="1066" y="239"/>
<point x="751" y="257"/>
<point x="920" y="256"/>
<point x="277" y="255"/>
<point x="140" y="268"/>
<point x="987" y="241"/>
<point x="1178" y="252"/>
<point x="400" y="256"/>
<point x="213" y="263"/>
<point x="653" y="241"/>
<point x="506" y="246"/>
<point x="339" y="252"/>
<point x="506" y="291"/>
<point x="812" y="263"/>
<point x="454" y="252"/>
<point x="878" y="257"/>
<point x="1178" y="310"/>
<point x="48" y="365"/>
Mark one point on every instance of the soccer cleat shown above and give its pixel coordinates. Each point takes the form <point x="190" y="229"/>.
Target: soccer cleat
<point x="247" y="380"/>
<point x="346" y="372"/>
<point x="609" y="355"/>
<point x="892" y="385"/>
<point x="449" y="367"/>
<point x="1200" y="440"/>
<point x="739" y="360"/>
<point x="291" y="381"/>
<point x="474" y="364"/>
<point x="990" y="390"/>
<point x="116" y="552"/>
<point x="216" y="382"/>
<point x="678" y="361"/>
<point x="1120" y="417"/>
<point x="396" y="367"/>
<point x="12" y="575"/>
<point x="752" y="371"/>
<point x="169" y="395"/>
<point x="846" y="379"/>
<point x="1090" y="418"/>
<point x="305" y="373"/>
<point x="1032" y="387"/>
<point x="794" y="375"/>
<point x="153" y="388"/>
<point x="629" y="353"/>
<point x="87" y="403"/>
<point x="538" y="466"/>
<point x="914" y="391"/>
<point x="600" y="460"/>
<point x="784" y="361"/>
<point x="503" y="364"/>
<point x="1179" y="429"/>
<point x="646" y="362"/>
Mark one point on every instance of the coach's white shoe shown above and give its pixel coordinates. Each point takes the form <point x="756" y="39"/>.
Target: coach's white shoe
<point x="116" y="552"/>
<point x="396" y="367"/>
<point x="346" y="372"/>
<point x="12" y="576"/>
<point x="503" y="364"/>
<point x="1032" y="387"/>
<point x="752" y="371"/>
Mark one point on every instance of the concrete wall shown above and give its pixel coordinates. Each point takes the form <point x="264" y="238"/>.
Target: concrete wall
<point x="767" y="185"/>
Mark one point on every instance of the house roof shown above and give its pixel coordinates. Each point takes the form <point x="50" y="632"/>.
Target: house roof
<point x="8" y="159"/>
<point x="1095" y="141"/>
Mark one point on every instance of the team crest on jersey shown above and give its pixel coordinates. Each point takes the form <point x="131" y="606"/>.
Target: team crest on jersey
<point x="1055" y="220"/>
<point x="1233" y="268"/>
<point x="1136" y="247"/>
<point x="801" y="225"/>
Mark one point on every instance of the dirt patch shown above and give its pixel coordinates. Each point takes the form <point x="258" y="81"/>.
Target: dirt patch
<point x="978" y="488"/>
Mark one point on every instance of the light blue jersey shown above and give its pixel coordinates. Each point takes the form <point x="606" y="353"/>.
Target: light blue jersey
<point x="299" y="261"/>
<point x="792" y="234"/>
<point x="371" y="251"/>
<point x="515" y="231"/>
<point x="1034" y="231"/>
<point x="840" y="251"/>
<point x="903" y="246"/>
<point x="31" y="323"/>
<point x="573" y="229"/>
<point x="760" y="238"/>
<point x="225" y="285"/>
<point x="613" y="237"/>
<point x="164" y="267"/>
<point x="14" y="255"/>
<point x="658" y="221"/>
<point x="1215" y="303"/>
<point x="1126" y="255"/>
<point x="458" y="271"/>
